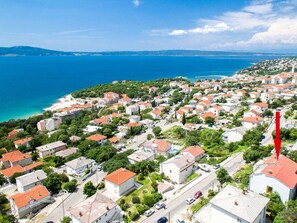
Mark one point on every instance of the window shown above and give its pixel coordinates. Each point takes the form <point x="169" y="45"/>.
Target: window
<point x="269" y="189"/>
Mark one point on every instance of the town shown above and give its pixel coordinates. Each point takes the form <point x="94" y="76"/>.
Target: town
<point x="167" y="150"/>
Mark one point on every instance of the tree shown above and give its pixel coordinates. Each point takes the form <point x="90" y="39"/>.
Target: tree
<point x="252" y="137"/>
<point x="157" y="131"/>
<point x="293" y="155"/>
<point x="135" y="200"/>
<point x="89" y="189"/>
<point x="223" y="176"/>
<point x="70" y="186"/>
<point x="66" y="219"/>
<point x="2" y="180"/>
<point x="184" y="119"/>
<point x="149" y="136"/>
<point x="15" y="175"/>
<point x="53" y="183"/>
<point x="258" y="100"/>
<point x="275" y="205"/>
<point x="209" y="120"/>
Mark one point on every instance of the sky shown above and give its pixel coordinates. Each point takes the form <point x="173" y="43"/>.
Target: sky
<point x="117" y="25"/>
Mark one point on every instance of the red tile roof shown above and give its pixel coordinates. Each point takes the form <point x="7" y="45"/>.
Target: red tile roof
<point x="256" y="119"/>
<point x="195" y="150"/>
<point x="120" y="176"/>
<point x="114" y="139"/>
<point x="12" y="170"/>
<point x="208" y="114"/>
<point x="284" y="170"/>
<point x="96" y="137"/>
<point x="33" y="165"/>
<point x="133" y="124"/>
<point x="14" y="156"/>
<point x="261" y="104"/>
<point x="22" y="141"/>
<point x="34" y="194"/>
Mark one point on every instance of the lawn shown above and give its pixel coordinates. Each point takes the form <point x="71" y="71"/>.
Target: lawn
<point x="192" y="177"/>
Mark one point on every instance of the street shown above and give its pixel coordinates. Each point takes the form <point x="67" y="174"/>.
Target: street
<point x="73" y="199"/>
<point x="210" y="182"/>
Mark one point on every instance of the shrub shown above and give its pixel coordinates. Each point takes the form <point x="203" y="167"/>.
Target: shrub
<point x="135" y="200"/>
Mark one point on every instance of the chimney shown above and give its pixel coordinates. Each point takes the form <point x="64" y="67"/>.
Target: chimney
<point x="236" y="203"/>
<point x="80" y="214"/>
<point x="270" y="171"/>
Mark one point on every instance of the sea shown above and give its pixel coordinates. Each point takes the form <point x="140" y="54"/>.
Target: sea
<point x="28" y="84"/>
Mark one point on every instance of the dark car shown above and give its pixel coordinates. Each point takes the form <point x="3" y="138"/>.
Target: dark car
<point x="162" y="220"/>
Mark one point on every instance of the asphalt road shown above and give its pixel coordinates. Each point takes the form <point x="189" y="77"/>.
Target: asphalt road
<point x="204" y="185"/>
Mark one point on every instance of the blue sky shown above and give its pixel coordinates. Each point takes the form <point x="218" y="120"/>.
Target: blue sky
<point x="108" y="25"/>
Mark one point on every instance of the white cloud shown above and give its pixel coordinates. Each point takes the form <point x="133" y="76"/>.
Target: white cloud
<point x="259" y="8"/>
<point x="219" y="27"/>
<point x="136" y="3"/>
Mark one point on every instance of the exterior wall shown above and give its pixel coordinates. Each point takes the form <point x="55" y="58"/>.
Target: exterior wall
<point x="102" y="219"/>
<point x="258" y="184"/>
<point x="174" y="173"/>
<point x="249" y="125"/>
<point x="220" y="215"/>
<point x="34" y="206"/>
<point x="119" y="189"/>
<point x="23" y="162"/>
<point x="22" y="188"/>
<point x="79" y="170"/>
<point x="232" y="136"/>
<point x="51" y="152"/>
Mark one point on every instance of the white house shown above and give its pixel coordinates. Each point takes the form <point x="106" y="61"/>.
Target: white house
<point x="234" y="135"/>
<point x="30" y="180"/>
<point x="259" y="107"/>
<point x="157" y="146"/>
<point x="100" y="139"/>
<point x="29" y="201"/>
<point x="275" y="175"/>
<point x="79" y="165"/>
<point x="120" y="181"/>
<point x="134" y="118"/>
<point x="196" y="151"/>
<point x="50" y="148"/>
<point x="132" y="109"/>
<point x="96" y="209"/>
<point x="178" y="168"/>
<point x="90" y="128"/>
<point x="140" y="155"/>
<point x="48" y="124"/>
<point x="252" y="122"/>
<point x="233" y="205"/>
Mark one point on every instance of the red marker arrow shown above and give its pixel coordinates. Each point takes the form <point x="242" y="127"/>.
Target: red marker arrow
<point x="277" y="141"/>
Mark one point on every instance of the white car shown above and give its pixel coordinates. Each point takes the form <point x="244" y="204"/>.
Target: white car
<point x="204" y="167"/>
<point x="190" y="200"/>
<point x="160" y="205"/>
<point x="149" y="213"/>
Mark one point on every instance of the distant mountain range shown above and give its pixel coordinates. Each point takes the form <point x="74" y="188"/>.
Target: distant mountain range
<point x="34" y="51"/>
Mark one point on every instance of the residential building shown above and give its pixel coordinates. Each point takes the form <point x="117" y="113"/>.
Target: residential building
<point x="90" y="128"/>
<point x="48" y="124"/>
<point x="79" y="165"/>
<point x="157" y="146"/>
<point x="208" y="114"/>
<point x="252" y="122"/>
<point x="140" y="155"/>
<point x="22" y="142"/>
<point x="132" y="109"/>
<point x="134" y="118"/>
<point x="120" y="181"/>
<point x="30" y="180"/>
<point x="15" y="158"/>
<point x="178" y="168"/>
<point x="234" y="135"/>
<point x="156" y="113"/>
<point x="233" y="205"/>
<point x="259" y="107"/>
<point x="95" y="209"/>
<point x="196" y="151"/>
<point x="50" y="148"/>
<point x="30" y="201"/>
<point x="66" y="152"/>
<point x="100" y="139"/>
<point x="272" y="175"/>
<point x="13" y="134"/>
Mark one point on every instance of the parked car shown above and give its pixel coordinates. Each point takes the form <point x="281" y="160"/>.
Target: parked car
<point x="190" y="200"/>
<point x="216" y="166"/>
<point x="162" y="220"/>
<point x="197" y="194"/>
<point x="204" y="167"/>
<point x="99" y="168"/>
<point x="180" y="221"/>
<point x="149" y="213"/>
<point x="160" y="205"/>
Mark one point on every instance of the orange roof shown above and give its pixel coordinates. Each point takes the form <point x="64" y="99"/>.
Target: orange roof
<point x="34" y="194"/>
<point x="284" y="170"/>
<point x="195" y="150"/>
<point x="120" y="176"/>
<point x="261" y="104"/>
<point x="12" y="170"/>
<point x="208" y="114"/>
<point x="256" y="119"/>
<point x="14" y="156"/>
<point x="160" y="145"/>
<point x="22" y="141"/>
<point x="133" y="124"/>
<point x="157" y="112"/>
<point x="96" y="137"/>
<point x="33" y="165"/>
<point x="114" y="139"/>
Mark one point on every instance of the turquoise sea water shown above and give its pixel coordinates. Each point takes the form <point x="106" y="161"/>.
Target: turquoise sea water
<point x="29" y="84"/>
